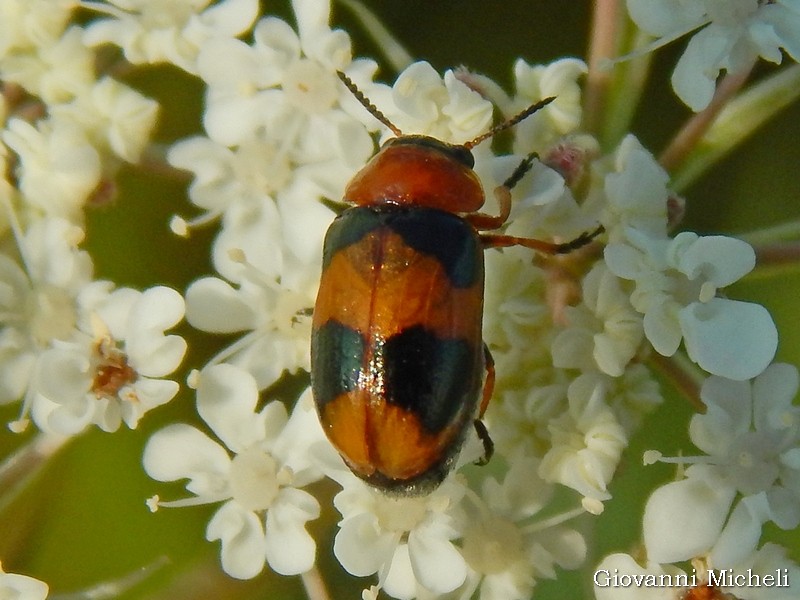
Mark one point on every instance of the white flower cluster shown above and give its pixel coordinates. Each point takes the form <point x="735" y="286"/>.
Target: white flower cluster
<point x="574" y="404"/>
<point x="732" y="35"/>
<point x="571" y="335"/>
<point x="749" y="477"/>
<point x="77" y="351"/>
<point x="264" y="511"/>
<point x="283" y="135"/>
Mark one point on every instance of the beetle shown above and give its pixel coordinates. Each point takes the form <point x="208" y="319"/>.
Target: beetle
<point x="397" y="356"/>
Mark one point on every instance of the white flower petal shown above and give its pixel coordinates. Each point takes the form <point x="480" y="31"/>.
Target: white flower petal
<point x="400" y="582"/>
<point x="773" y="392"/>
<point x="624" y="565"/>
<point x="637" y="191"/>
<point x="63" y="375"/>
<point x="113" y="307"/>
<point x="151" y="353"/>
<point x="416" y="91"/>
<point x="361" y="546"/>
<point x="662" y="329"/>
<point x="662" y="17"/>
<point x="312" y="17"/>
<point x="740" y="536"/>
<point x="58" y="167"/>
<point x="569" y="347"/>
<point x="623" y="260"/>
<point x="729" y="338"/>
<point x="609" y="356"/>
<point x="230" y="119"/>
<point x="785" y="20"/>
<point x="566" y="547"/>
<point x="683" y="519"/>
<point x="68" y="419"/>
<point x="16" y="368"/>
<point x="155" y="392"/>
<point x="290" y="549"/>
<point x="279" y="40"/>
<point x="158" y="308"/>
<point x="226" y="400"/>
<point x="183" y="452"/>
<point x="717" y="258"/>
<point x="436" y="562"/>
<point x="728" y="415"/>
<point x="156" y="355"/>
<point x="547" y="185"/>
<point x="242" y="537"/>
<point x="21" y="587"/>
<point x="304" y="236"/>
<point x="230" y="17"/>
<point x="213" y="305"/>
<point x="695" y="75"/>
<point x="784" y="509"/>
<point x="514" y="582"/>
<point x="255" y="230"/>
<point x="292" y="446"/>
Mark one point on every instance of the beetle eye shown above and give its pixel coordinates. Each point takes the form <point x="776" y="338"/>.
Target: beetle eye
<point x="463" y="155"/>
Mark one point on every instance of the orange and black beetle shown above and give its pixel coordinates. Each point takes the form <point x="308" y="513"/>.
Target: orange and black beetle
<point x="397" y="357"/>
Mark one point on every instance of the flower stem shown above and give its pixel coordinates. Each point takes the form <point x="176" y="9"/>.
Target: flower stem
<point x="625" y="94"/>
<point x="693" y="130"/>
<point x="770" y="235"/>
<point x="739" y="119"/>
<point x="21" y="466"/>
<point x="116" y="587"/>
<point x="154" y="161"/>
<point x="602" y="46"/>
<point x="554" y="521"/>
<point x="782" y="253"/>
<point x="683" y="376"/>
<point x="394" y="52"/>
<point x="314" y="585"/>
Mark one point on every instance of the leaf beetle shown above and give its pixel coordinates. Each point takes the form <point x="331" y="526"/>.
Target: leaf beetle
<point x="399" y="370"/>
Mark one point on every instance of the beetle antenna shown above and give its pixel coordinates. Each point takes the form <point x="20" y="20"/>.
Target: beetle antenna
<point x="371" y="108"/>
<point x="509" y="123"/>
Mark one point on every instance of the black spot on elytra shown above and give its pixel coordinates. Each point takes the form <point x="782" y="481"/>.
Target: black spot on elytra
<point x="337" y="353"/>
<point x="445" y="236"/>
<point x="436" y="379"/>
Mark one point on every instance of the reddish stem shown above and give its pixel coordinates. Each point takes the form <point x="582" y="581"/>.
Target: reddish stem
<point x="779" y="253"/>
<point x="683" y="381"/>
<point x="602" y="46"/>
<point x="695" y="128"/>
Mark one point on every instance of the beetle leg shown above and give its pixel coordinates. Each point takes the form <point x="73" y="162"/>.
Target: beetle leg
<point x="488" y="384"/>
<point x="488" y="388"/>
<point x="503" y="195"/>
<point x="501" y="241"/>
<point x="488" y="444"/>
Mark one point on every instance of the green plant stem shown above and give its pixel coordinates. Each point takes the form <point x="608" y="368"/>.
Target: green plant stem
<point x="770" y="235"/>
<point x="394" y="52"/>
<point x="623" y="100"/>
<point x="602" y="46"/>
<point x="17" y="470"/>
<point x="736" y="122"/>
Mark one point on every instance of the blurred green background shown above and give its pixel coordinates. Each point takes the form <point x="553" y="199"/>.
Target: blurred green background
<point x="84" y="520"/>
